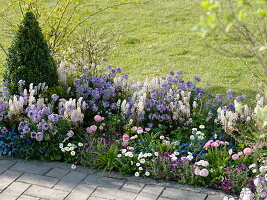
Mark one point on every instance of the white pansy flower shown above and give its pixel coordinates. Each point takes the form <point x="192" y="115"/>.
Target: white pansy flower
<point x="194" y="130"/>
<point x="201" y="137"/>
<point x="198" y="132"/>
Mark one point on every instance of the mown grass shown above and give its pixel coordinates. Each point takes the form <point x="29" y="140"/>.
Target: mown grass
<point x="156" y="37"/>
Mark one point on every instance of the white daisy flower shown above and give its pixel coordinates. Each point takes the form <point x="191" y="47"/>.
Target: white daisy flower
<point x="136" y="174"/>
<point x="140" y="168"/>
<point x="192" y="137"/>
<point x="80" y="144"/>
<point x="147" y="173"/>
<point x="72" y="153"/>
<point x="137" y="164"/>
<point x="123" y="151"/>
<point x="73" y="166"/>
<point x="142" y="161"/>
<point x="67" y="149"/>
<point x="201" y="126"/>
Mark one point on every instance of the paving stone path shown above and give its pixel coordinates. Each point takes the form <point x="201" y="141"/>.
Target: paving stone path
<point x="24" y="180"/>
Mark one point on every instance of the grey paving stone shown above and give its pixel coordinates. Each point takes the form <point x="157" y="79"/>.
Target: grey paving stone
<point x="57" y="172"/>
<point x="182" y="194"/>
<point x="213" y="197"/>
<point x="8" y="177"/>
<point x="104" y="181"/>
<point x="109" y="174"/>
<point x="79" y="168"/>
<point x="46" y="193"/>
<point x="31" y="168"/>
<point x="25" y="197"/>
<point x="83" y="191"/>
<point x="38" y="180"/>
<point x="70" y="181"/>
<point x="96" y="198"/>
<point x="110" y="193"/>
<point x="150" y="192"/>
<point x="164" y="198"/>
<point x="14" y="191"/>
<point x="2" y="170"/>
<point x="133" y="186"/>
<point x="6" y="163"/>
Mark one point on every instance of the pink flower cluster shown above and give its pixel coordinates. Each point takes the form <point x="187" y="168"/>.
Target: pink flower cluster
<point x="125" y="140"/>
<point x="140" y="130"/>
<point x="93" y="128"/>
<point x="217" y="143"/>
<point x="98" y="118"/>
<point x="203" y="163"/>
<point x="236" y="156"/>
<point x="126" y="137"/>
<point x="201" y="172"/>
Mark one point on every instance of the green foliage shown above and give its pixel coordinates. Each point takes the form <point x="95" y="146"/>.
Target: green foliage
<point x="59" y="18"/>
<point x="59" y="90"/>
<point x="100" y="156"/>
<point x="218" y="158"/>
<point x="29" y="57"/>
<point x="243" y="20"/>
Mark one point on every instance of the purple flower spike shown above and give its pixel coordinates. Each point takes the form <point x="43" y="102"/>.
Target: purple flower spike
<point x="197" y="78"/>
<point x="21" y="82"/>
<point x="55" y="97"/>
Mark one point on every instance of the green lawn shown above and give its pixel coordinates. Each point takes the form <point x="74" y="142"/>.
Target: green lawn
<point x="156" y="37"/>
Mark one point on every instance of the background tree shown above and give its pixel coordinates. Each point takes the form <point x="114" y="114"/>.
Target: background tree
<point x="59" y="19"/>
<point x="29" y="57"/>
<point x="244" y="21"/>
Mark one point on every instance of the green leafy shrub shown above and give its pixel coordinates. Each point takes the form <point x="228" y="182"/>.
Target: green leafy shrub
<point x="29" y="57"/>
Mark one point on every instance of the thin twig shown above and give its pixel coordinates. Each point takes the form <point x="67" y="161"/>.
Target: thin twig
<point x="2" y="47"/>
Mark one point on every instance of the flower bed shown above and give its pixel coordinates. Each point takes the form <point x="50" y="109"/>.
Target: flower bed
<point x="165" y="128"/>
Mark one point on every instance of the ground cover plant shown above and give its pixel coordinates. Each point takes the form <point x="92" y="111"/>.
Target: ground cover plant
<point x="169" y="127"/>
